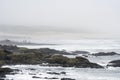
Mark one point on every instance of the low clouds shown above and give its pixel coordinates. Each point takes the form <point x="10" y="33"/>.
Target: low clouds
<point x="56" y="19"/>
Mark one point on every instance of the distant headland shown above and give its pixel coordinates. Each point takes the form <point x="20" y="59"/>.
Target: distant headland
<point x="24" y="42"/>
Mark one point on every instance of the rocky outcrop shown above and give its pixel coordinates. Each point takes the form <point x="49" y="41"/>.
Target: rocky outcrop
<point x="52" y="51"/>
<point x="80" y="52"/>
<point x="67" y="79"/>
<point x="115" y="63"/>
<point x="105" y="54"/>
<point x="37" y="77"/>
<point x="43" y="55"/>
<point x="4" y="71"/>
<point x="78" y="62"/>
<point x="56" y="73"/>
<point x="25" y="42"/>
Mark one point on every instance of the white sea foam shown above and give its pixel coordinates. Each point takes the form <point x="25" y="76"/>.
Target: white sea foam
<point x="75" y="73"/>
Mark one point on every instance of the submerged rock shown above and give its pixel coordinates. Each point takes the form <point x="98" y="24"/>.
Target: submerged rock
<point x="51" y="78"/>
<point x="56" y="73"/>
<point x="62" y="72"/>
<point x="115" y="63"/>
<point x="89" y="65"/>
<point x="80" y="52"/>
<point x="32" y="69"/>
<point x="4" y="71"/>
<point x="105" y="54"/>
<point x="67" y="79"/>
<point x="53" y="73"/>
<point x="32" y="74"/>
<point x="36" y="77"/>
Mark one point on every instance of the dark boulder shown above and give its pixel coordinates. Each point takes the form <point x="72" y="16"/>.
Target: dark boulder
<point x="115" y="63"/>
<point x="80" y="52"/>
<point x="4" y="71"/>
<point x="89" y="65"/>
<point x="55" y="73"/>
<point x="67" y="79"/>
<point x="105" y="54"/>
<point x="51" y="78"/>
<point x="36" y="77"/>
<point x="62" y="72"/>
<point x="81" y="62"/>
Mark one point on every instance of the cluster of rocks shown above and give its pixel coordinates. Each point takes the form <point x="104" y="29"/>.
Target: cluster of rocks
<point x="4" y="71"/>
<point x="53" y="78"/>
<point x="114" y="63"/>
<point x="54" y="73"/>
<point x="43" y="55"/>
<point x="52" y="57"/>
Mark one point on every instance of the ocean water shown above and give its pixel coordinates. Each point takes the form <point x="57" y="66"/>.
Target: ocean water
<point x="27" y="72"/>
<point x="82" y="45"/>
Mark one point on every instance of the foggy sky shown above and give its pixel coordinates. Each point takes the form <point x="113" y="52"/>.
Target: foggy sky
<point x="59" y="19"/>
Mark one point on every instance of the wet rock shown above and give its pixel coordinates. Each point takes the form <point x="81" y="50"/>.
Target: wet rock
<point x="89" y="65"/>
<point x="16" y="70"/>
<point x="55" y="73"/>
<point x="36" y="77"/>
<point x="81" y="62"/>
<point x="31" y="69"/>
<point x="85" y="55"/>
<point x="52" y="51"/>
<point x="67" y="79"/>
<point x="80" y="52"/>
<point x="2" y="76"/>
<point x="49" y="56"/>
<point x="13" y="73"/>
<point x="32" y="74"/>
<point x="50" y="78"/>
<point x="4" y="71"/>
<point x="62" y="72"/>
<point x="105" y="54"/>
<point x="53" y="78"/>
<point x="115" y="63"/>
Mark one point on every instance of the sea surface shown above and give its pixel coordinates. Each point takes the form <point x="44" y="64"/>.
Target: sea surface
<point x="91" y="45"/>
<point x="38" y="72"/>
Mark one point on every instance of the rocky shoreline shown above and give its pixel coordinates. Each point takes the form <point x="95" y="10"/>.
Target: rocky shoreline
<point x="40" y="56"/>
<point x="13" y="55"/>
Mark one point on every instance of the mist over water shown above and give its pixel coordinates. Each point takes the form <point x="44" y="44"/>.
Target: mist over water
<point x="82" y="25"/>
<point x="92" y="45"/>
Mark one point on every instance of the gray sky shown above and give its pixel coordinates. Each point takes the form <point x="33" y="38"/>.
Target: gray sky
<point x="59" y="19"/>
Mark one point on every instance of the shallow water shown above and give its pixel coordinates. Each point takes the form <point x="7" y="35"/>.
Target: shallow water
<point x="28" y="71"/>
